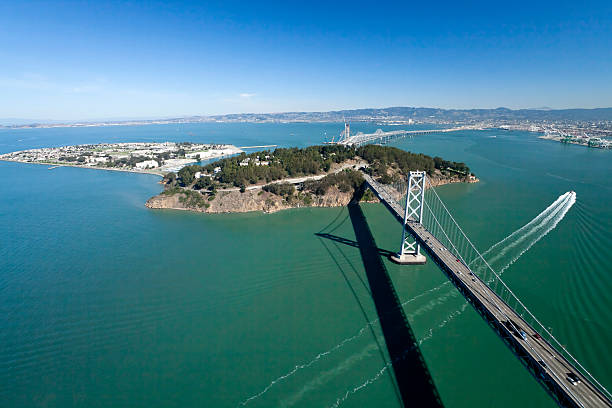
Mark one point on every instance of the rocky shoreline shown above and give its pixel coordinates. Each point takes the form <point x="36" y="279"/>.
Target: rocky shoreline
<point x="267" y="202"/>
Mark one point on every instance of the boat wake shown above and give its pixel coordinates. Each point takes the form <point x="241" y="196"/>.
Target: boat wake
<point x="506" y="252"/>
<point x="515" y="244"/>
<point x="521" y="240"/>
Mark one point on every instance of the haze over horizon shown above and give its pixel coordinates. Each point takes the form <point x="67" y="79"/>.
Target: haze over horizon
<point x="65" y="61"/>
<point x="42" y="121"/>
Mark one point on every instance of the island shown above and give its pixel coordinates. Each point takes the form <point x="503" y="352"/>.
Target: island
<point x="269" y="180"/>
<point x="143" y="157"/>
<point x="315" y="176"/>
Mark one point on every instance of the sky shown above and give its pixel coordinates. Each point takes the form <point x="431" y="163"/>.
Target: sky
<point x="103" y="60"/>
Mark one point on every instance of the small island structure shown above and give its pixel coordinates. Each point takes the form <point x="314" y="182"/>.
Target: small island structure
<point x="315" y="176"/>
<point x="144" y="157"/>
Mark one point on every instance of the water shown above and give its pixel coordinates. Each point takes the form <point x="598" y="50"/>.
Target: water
<point x="106" y="303"/>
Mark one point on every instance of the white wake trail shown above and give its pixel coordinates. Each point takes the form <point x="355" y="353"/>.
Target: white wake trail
<point x="559" y="215"/>
<point x="333" y="349"/>
<point x="382" y="371"/>
<point x="541" y="223"/>
<point x="523" y="239"/>
<point x="530" y="224"/>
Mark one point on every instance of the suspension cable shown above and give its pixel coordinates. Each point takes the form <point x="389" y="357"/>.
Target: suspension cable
<point x="515" y="298"/>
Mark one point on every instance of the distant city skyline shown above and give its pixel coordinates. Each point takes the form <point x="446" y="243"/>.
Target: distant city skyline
<point x="65" y="61"/>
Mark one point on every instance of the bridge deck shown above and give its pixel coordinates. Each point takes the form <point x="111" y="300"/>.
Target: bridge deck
<point x="360" y="139"/>
<point x="531" y="349"/>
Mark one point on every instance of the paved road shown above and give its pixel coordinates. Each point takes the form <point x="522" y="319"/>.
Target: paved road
<point x="548" y="365"/>
<point x="299" y="180"/>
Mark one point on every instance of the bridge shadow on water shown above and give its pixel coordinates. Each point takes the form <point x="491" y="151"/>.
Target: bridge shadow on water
<point x="412" y="376"/>
<point x="350" y="242"/>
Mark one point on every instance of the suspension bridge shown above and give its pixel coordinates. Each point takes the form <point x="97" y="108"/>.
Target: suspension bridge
<point x="427" y="224"/>
<point x="382" y="137"/>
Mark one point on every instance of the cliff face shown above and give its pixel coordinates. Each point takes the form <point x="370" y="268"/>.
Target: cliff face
<point x="259" y="200"/>
<point x="250" y="200"/>
<point x="438" y="179"/>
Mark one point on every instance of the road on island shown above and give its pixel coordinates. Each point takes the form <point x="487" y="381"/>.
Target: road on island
<point x="299" y="180"/>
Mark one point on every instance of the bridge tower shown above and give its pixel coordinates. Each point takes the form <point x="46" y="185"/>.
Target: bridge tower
<point x="410" y="249"/>
<point x="346" y="134"/>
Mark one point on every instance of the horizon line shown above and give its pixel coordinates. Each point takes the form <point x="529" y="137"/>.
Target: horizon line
<point x="112" y="120"/>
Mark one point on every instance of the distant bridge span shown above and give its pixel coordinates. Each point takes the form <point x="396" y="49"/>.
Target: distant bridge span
<point x="383" y="137"/>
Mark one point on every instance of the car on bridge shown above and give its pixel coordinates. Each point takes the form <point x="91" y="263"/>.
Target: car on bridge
<point x="573" y="378"/>
<point x="511" y="326"/>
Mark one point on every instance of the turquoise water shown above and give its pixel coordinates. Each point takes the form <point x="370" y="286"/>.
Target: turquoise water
<point x="106" y="303"/>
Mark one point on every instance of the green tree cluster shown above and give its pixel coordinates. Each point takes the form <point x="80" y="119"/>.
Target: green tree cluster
<point x="205" y="183"/>
<point x="278" y="164"/>
<point x="268" y="166"/>
<point x="346" y="181"/>
<point x="281" y="189"/>
<point x="442" y="164"/>
<point x="379" y="157"/>
<point x="170" y="179"/>
<point x="186" y="175"/>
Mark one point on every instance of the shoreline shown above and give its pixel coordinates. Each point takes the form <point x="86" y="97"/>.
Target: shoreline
<point x="575" y="142"/>
<point x="132" y="157"/>
<point x="56" y="165"/>
<point x="257" y="200"/>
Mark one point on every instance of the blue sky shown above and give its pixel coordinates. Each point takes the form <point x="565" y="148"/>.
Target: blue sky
<point x="87" y="60"/>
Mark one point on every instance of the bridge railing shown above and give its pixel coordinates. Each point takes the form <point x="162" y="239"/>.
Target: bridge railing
<point x="465" y="250"/>
<point x="440" y="222"/>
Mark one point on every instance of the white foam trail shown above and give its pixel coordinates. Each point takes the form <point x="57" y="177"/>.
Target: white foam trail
<point x="564" y="201"/>
<point x="556" y="220"/>
<point x="306" y="365"/>
<point x="524" y="238"/>
<point x="556" y="212"/>
<point x="331" y="350"/>
<point x="380" y="372"/>
<point x="326" y="376"/>
<point x="531" y="223"/>
<point x="369" y="381"/>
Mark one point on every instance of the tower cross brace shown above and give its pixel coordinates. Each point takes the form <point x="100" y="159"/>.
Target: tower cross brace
<point x="410" y="250"/>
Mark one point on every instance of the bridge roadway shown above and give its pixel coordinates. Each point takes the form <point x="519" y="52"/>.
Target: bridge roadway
<point x="360" y="139"/>
<point x="531" y="348"/>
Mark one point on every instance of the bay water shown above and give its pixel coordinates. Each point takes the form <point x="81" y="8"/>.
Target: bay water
<point x="106" y="303"/>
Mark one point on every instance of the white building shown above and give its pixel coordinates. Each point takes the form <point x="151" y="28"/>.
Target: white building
<point x="194" y="155"/>
<point x="147" y="164"/>
<point x="97" y="160"/>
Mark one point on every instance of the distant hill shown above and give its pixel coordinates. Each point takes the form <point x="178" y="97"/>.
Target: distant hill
<point x="431" y="114"/>
<point x="397" y="113"/>
<point x="22" y="121"/>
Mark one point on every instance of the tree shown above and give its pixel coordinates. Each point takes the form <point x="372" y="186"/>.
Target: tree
<point x="170" y="178"/>
<point x="202" y="183"/>
<point x="186" y="175"/>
